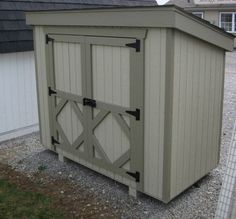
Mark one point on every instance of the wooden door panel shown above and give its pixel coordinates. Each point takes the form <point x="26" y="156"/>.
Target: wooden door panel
<point x="96" y="101"/>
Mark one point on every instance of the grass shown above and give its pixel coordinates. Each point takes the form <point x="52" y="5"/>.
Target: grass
<point x="20" y="204"/>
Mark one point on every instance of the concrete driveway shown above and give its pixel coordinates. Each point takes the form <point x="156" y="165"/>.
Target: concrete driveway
<point x="231" y="62"/>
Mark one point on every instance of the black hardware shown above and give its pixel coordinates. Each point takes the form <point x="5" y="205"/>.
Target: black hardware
<point x="136" y="175"/>
<point x="135" y="113"/>
<point x="54" y="141"/>
<point x="89" y="102"/>
<point x="135" y="45"/>
<point x="51" y="91"/>
<point x="48" y="39"/>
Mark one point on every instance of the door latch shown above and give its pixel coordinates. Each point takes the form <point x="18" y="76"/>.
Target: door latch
<point x="89" y="102"/>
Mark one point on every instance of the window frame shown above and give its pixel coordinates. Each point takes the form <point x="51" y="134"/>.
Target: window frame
<point x="198" y="12"/>
<point x="233" y="27"/>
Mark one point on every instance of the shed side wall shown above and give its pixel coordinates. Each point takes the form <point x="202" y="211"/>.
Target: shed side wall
<point x="155" y="53"/>
<point x="197" y="110"/>
<point x="42" y="86"/>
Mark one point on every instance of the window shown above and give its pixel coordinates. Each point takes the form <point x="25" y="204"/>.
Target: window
<point x="198" y="14"/>
<point x="228" y="21"/>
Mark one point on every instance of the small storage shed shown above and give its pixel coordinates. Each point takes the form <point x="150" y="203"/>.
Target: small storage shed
<point x="133" y="93"/>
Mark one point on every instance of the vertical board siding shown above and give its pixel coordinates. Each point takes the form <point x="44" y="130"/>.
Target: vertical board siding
<point x="68" y="78"/>
<point x="155" y="46"/>
<point x="42" y="88"/>
<point x="111" y="84"/>
<point x="198" y="76"/>
<point x="18" y="108"/>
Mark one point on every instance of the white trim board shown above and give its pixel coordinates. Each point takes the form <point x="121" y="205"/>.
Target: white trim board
<point x="18" y="132"/>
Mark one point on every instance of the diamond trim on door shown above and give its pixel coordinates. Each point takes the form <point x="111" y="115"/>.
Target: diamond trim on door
<point x="133" y="156"/>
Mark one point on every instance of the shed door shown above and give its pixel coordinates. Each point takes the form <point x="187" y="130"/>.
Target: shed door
<point x="97" y="85"/>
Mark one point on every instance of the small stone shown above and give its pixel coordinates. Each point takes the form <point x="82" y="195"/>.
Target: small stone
<point x="70" y="176"/>
<point x="88" y="205"/>
<point x="59" y="173"/>
<point x="62" y="192"/>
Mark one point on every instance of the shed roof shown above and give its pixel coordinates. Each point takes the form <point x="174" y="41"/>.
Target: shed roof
<point x="190" y="5"/>
<point x="17" y="36"/>
<point x="133" y="17"/>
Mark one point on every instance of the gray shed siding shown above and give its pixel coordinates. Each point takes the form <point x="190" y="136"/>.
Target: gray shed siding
<point x="155" y="74"/>
<point x="197" y="110"/>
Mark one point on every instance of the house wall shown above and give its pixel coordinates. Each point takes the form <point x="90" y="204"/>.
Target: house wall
<point x="212" y="17"/>
<point x="18" y="100"/>
<point x="197" y="110"/>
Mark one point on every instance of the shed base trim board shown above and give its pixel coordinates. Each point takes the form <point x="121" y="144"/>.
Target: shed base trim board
<point x="62" y="156"/>
<point x="122" y="180"/>
<point x="130" y="184"/>
<point x="18" y="132"/>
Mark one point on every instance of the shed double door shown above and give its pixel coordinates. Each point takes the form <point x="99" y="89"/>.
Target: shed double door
<point x="96" y="101"/>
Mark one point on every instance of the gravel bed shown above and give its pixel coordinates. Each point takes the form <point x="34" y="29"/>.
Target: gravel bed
<point x="14" y="150"/>
<point x="196" y="202"/>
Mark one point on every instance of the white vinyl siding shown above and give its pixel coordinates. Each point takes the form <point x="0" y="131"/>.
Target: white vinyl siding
<point x="18" y="108"/>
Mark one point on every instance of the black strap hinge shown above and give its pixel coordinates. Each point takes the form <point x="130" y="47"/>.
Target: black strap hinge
<point x="135" y="113"/>
<point x="89" y="102"/>
<point x="51" y="91"/>
<point x="48" y="39"/>
<point x="54" y="141"/>
<point x="136" y="175"/>
<point x="135" y="45"/>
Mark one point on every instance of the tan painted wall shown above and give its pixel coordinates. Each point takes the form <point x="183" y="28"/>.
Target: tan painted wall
<point x="42" y="88"/>
<point x="212" y="17"/>
<point x="155" y="69"/>
<point x="197" y="99"/>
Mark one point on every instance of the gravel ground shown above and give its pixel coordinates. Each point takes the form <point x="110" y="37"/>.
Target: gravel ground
<point x="196" y="202"/>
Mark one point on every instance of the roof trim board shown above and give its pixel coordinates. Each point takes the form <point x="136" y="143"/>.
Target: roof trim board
<point x="147" y="17"/>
